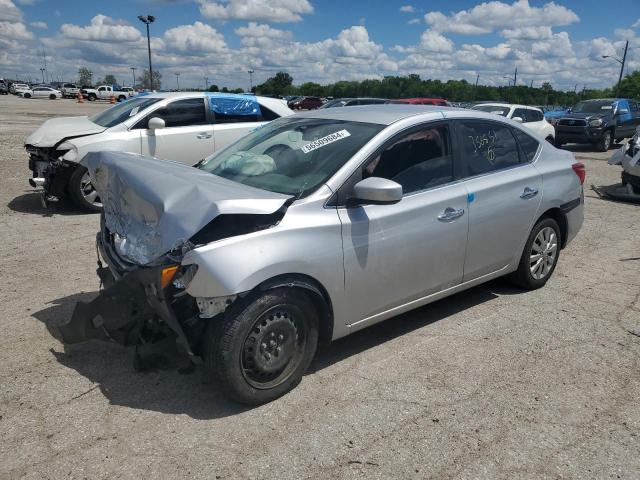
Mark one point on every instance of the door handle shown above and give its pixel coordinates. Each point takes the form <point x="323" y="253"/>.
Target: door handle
<point x="451" y="214"/>
<point x="529" y="192"/>
<point x="203" y="135"/>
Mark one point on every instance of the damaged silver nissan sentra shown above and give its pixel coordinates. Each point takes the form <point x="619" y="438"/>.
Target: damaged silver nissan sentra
<point x="318" y="225"/>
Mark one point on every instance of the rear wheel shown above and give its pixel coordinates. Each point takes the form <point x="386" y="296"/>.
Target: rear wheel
<point x="82" y="191"/>
<point x="52" y="97"/>
<point x="92" y="97"/>
<point x="26" y="95"/>
<point x="605" y="142"/>
<point x="540" y="255"/>
<point x="122" y="98"/>
<point x="261" y="348"/>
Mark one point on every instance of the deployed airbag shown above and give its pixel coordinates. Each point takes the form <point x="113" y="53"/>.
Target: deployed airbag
<point x="155" y="206"/>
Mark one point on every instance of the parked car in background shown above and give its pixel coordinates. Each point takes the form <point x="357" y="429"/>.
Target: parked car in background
<point x="350" y="102"/>
<point x="41" y="92"/>
<point x="4" y="90"/>
<point x="69" y="90"/>
<point x="244" y="263"/>
<point x="105" y="92"/>
<point x="530" y="117"/>
<point x="422" y="101"/>
<point x="305" y="103"/>
<point x="599" y="122"/>
<point x="16" y="88"/>
<point x="185" y="127"/>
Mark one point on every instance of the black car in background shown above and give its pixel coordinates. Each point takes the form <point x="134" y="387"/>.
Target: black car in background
<point x="599" y="122"/>
<point x="349" y="102"/>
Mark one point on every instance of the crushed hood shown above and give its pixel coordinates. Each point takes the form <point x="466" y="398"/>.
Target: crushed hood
<point x="156" y="206"/>
<point x="56" y="129"/>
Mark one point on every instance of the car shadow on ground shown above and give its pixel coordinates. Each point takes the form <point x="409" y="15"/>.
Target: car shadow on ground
<point x="589" y="148"/>
<point x="31" y="202"/>
<point x="170" y="385"/>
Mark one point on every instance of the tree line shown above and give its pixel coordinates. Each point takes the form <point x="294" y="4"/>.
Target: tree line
<point x="452" y="90"/>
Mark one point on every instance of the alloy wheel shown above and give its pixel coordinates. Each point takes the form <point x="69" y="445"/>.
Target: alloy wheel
<point x="88" y="191"/>
<point x="543" y="253"/>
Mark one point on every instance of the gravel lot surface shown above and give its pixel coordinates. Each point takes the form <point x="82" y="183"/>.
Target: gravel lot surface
<point x="490" y="383"/>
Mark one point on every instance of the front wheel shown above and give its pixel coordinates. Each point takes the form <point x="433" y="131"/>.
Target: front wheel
<point x="540" y="255"/>
<point x="605" y="142"/>
<point x="92" y="97"/>
<point x="261" y="348"/>
<point x="82" y="191"/>
<point x="26" y="95"/>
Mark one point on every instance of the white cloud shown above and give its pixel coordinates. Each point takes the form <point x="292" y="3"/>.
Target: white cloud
<point x="265" y="10"/>
<point x="414" y="21"/>
<point x="14" y="31"/>
<point x="636" y="24"/>
<point x="261" y="36"/>
<point x="196" y="38"/>
<point x="42" y="25"/>
<point x="432" y="41"/>
<point x="102" y="29"/>
<point x="407" y="9"/>
<point x="527" y="33"/>
<point x="489" y="16"/>
<point x="9" y="12"/>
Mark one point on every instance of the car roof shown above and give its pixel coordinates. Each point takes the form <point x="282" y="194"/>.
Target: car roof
<point x="382" y="114"/>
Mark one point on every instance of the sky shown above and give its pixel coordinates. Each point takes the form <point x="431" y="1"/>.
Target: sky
<point x="323" y="41"/>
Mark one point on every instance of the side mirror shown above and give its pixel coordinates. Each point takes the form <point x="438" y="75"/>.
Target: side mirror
<point x="156" y="123"/>
<point x="377" y="191"/>
<point x="518" y="119"/>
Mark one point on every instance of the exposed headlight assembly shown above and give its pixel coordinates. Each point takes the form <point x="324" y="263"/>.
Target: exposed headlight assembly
<point x="72" y="151"/>
<point x="596" y="122"/>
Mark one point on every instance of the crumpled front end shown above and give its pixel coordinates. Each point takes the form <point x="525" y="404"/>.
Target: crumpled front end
<point x="628" y="156"/>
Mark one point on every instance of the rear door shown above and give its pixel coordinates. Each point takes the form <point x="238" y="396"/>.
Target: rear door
<point x="504" y="194"/>
<point x="625" y="123"/>
<point x="187" y="137"/>
<point x="396" y="254"/>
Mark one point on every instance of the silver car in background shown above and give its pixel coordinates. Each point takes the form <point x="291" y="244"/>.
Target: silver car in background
<point x="318" y="225"/>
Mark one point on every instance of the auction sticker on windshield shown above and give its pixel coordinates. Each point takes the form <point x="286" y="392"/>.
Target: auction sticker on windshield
<point x="321" y="142"/>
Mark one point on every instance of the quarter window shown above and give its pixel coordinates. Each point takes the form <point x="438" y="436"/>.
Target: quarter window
<point x="487" y="147"/>
<point x="417" y="161"/>
<point x="528" y="144"/>
<point x="181" y="113"/>
<point x="522" y="113"/>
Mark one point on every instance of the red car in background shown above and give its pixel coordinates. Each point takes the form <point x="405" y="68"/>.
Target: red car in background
<point x="305" y="103"/>
<point x="423" y="101"/>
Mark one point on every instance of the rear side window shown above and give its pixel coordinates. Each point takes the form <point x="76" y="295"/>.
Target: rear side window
<point x="268" y="115"/>
<point x="181" y="113"/>
<point x="522" y="113"/>
<point x="487" y="147"/>
<point x="533" y="115"/>
<point x="528" y="144"/>
<point x="417" y="161"/>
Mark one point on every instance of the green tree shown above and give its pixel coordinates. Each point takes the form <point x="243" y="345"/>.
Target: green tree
<point x="109" y="79"/>
<point x="280" y="84"/>
<point x="630" y="86"/>
<point x="214" y="88"/>
<point x="84" y="76"/>
<point x="144" y="80"/>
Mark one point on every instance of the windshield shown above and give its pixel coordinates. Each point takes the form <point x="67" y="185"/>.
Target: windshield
<point x="122" y="111"/>
<point x="502" y="111"/>
<point x="293" y="156"/>
<point x="593" y="107"/>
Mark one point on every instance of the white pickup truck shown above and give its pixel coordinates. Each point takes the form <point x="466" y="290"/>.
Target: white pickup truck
<point x="70" y="90"/>
<point x="105" y="92"/>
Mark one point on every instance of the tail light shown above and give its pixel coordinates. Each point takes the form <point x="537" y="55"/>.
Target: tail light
<point x="580" y="171"/>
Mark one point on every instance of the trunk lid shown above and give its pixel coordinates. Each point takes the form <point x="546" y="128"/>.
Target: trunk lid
<point x="156" y="206"/>
<point x="56" y="129"/>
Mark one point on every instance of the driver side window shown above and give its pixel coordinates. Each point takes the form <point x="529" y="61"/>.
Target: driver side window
<point x="181" y="113"/>
<point x="419" y="160"/>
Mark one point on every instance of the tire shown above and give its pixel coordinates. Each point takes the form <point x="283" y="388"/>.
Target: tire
<point x="121" y="98"/>
<point x="261" y="347"/>
<point x="605" y="142"/>
<point x="52" y="97"/>
<point x="26" y="95"/>
<point x="524" y="276"/>
<point x="92" y="97"/>
<point x="82" y="192"/>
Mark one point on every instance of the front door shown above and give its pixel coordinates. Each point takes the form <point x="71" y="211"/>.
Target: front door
<point x="187" y="137"/>
<point x="396" y="254"/>
<point x="504" y="195"/>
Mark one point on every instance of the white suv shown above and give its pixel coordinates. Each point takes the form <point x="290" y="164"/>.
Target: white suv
<point x="530" y="117"/>
<point x="183" y="127"/>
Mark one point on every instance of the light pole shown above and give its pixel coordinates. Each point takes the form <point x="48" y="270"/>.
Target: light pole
<point x="206" y="83"/>
<point x="621" y="62"/>
<point x="133" y="74"/>
<point x="148" y="19"/>
<point x="250" y="72"/>
<point x="42" y="69"/>
<point x="177" y="80"/>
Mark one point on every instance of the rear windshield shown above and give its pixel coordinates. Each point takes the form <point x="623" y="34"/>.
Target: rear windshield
<point x="122" y="111"/>
<point x="293" y="156"/>
<point x="593" y="107"/>
<point x="502" y="111"/>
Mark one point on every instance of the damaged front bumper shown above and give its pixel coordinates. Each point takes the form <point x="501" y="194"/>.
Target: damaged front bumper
<point x="138" y="305"/>
<point x="49" y="171"/>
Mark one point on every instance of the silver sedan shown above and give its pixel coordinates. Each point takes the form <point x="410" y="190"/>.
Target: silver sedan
<point x="316" y="226"/>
